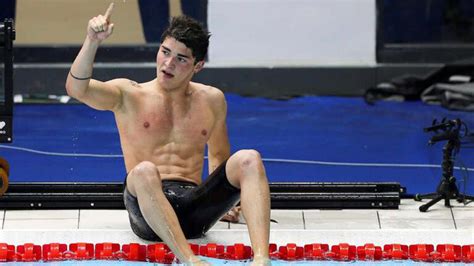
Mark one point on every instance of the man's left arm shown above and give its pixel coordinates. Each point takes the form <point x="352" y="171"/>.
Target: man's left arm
<point x="218" y="144"/>
<point x="218" y="147"/>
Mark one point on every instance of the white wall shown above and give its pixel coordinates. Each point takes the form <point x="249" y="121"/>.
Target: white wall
<point x="268" y="33"/>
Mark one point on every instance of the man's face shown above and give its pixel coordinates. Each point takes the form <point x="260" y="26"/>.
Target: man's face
<point x="175" y="64"/>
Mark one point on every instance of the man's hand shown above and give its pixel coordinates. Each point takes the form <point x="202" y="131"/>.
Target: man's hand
<point x="100" y="28"/>
<point x="232" y="216"/>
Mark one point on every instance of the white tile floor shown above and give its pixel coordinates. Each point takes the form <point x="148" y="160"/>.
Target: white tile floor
<point x="405" y="226"/>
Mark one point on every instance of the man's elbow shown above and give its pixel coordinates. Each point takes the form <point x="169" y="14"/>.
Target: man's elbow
<point x="69" y="89"/>
<point x="220" y="156"/>
<point x="73" y="90"/>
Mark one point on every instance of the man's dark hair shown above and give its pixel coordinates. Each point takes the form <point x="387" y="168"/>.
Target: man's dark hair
<point x="190" y="32"/>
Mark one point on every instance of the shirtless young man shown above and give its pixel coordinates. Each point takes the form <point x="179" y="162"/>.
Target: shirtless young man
<point x="164" y="126"/>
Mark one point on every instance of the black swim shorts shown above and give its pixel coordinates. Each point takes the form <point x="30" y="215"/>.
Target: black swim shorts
<point x="198" y="207"/>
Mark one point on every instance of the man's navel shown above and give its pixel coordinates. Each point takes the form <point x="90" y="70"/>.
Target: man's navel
<point x="204" y="132"/>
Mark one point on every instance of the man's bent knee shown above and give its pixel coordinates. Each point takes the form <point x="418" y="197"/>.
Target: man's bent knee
<point x="144" y="175"/>
<point x="247" y="159"/>
<point x="243" y="164"/>
<point x="251" y="156"/>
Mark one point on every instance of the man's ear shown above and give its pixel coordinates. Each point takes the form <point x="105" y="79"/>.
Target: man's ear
<point x="199" y="65"/>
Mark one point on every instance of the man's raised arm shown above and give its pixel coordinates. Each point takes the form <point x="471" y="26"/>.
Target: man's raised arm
<point x="79" y="83"/>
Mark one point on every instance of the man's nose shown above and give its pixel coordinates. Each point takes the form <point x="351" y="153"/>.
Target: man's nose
<point x="170" y="61"/>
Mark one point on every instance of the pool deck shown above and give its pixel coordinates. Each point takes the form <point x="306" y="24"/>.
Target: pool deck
<point x="406" y="225"/>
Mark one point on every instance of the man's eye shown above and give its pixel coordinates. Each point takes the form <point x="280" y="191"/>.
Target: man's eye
<point x="166" y="52"/>
<point x="182" y="60"/>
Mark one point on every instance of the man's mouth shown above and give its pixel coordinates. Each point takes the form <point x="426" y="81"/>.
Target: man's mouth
<point x="167" y="74"/>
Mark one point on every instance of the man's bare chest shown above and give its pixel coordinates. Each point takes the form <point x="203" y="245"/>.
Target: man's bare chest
<point x="172" y="124"/>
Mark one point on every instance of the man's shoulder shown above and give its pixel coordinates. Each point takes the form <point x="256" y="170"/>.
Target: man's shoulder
<point x="125" y="83"/>
<point x="209" y="92"/>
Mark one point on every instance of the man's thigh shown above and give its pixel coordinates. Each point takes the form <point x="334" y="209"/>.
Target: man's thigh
<point x="208" y="203"/>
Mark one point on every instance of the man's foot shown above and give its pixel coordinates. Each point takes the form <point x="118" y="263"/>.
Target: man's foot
<point x="197" y="261"/>
<point x="232" y="216"/>
<point x="261" y="261"/>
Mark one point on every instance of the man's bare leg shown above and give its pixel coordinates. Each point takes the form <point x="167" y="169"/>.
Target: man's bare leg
<point x="245" y="170"/>
<point x="144" y="182"/>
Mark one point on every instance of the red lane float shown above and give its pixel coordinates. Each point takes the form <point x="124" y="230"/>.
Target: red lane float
<point x="316" y="251"/>
<point x="134" y="252"/>
<point x="7" y="252"/>
<point x="81" y="251"/>
<point x="29" y="252"/>
<point x="54" y="252"/>
<point x="291" y="252"/>
<point x="468" y="253"/>
<point x="238" y="252"/>
<point x="212" y="250"/>
<point x="395" y="252"/>
<point x="448" y="253"/>
<point x="273" y="250"/>
<point x="160" y="253"/>
<point x="194" y="248"/>
<point x="342" y="252"/>
<point x="421" y="252"/>
<point x="106" y="251"/>
<point x="369" y="252"/>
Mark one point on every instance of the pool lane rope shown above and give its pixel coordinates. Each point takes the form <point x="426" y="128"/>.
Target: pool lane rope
<point x="275" y="160"/>
<point x="161" y="253"/>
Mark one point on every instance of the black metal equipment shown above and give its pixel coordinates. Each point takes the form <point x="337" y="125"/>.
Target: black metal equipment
<point x="7" y="35"/>
<point x="447" y="188"/>
<point x="303" y="195"/>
